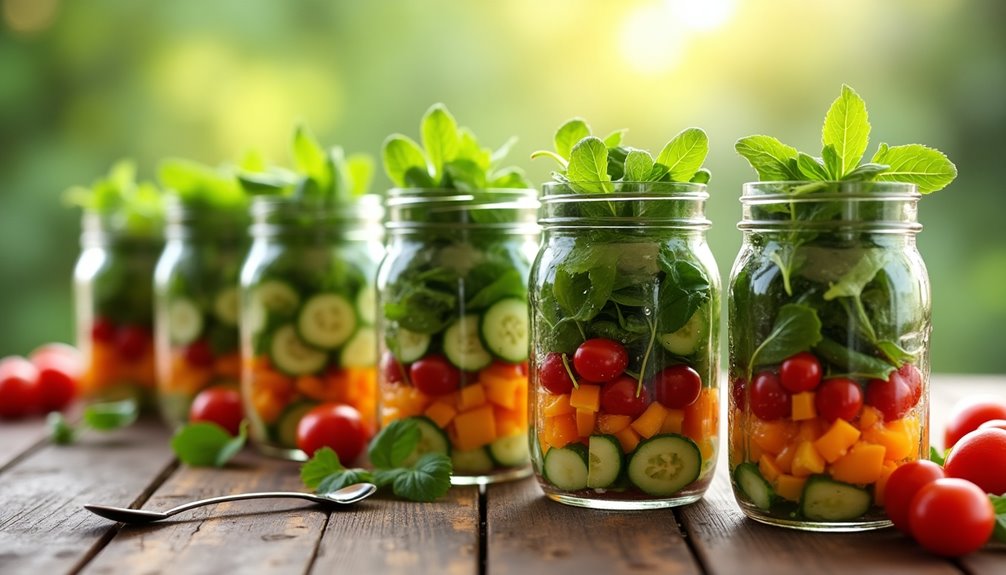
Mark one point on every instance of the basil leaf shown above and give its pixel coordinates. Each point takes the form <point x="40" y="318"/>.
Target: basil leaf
<point x="568" y="135"/>
<point x="684" y="154"/>
<point x="439" y="133"/>
<point x="927" y="168"/>
<point x="204" y="444"/>
<point x="896" y="354"/>
<point x="344" y="478"/>
<point x="685" y="288"/>
<point x="464" y="174"/>
<point x="854" y="363"/>
<point x="323" y="463"/>
<point x="583" y="294"/>
<point x="386" y="477"/>
<point x="428" y="480"/>
<point x="588" y="167"/>
<point x="234" y="446"/>
<point x="847" y="130"/>
<point x="797" y="328"/>
<point x="638" y="165"/>
<point x="469" y="149"/>
<point x="394" y="443"/>
<point x="111" y="415"/>
<point x="769" y="157"/>
<point x="403" y="156"/>
<point x="511" y="177"/>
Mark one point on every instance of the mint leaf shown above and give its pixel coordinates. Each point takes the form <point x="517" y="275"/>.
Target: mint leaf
<point x="588" y="167"/>
<point x="927" y="168"/>
<point x="684" y="154"/>
<point x="428" y="480"/>
<point x="439" y="131"/>
<point x="111" y="415"/>
<point x="797" y="328"/>
<point x="614" y="139"/>
<point x="309" y="157"/>
<point x="234" y="446"/>
<point x="936" y="456"/>
<point x="812" y="168"/>
<point x="638" y="164"/>
<point x="386" y="477"/>
<point x="402" y="155"/>
<point x="701" y="177"/>
<point x="394" y="443"/>
<point x="866" y="172"/>
<point x="847" y="129"/>
<point x="469" y="149"/>
<point x="205" y="444"/>
<point x="772" y="159"/>
<point x="568" y="135"/>
<point x="344" y="478"/>
<point x="359" y="173"/>
<point x="323" y="463"/>
<point x="999" y="506"/>
<point x="832" y="163"/>
<point x="60" y="432"/>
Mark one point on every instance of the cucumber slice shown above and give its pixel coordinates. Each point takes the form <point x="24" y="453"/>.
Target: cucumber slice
<point x="750" y="481"/>
<point x="291" y="355"/>
<point x="664" y="464"/>
<point x="327" y="320"/>
<point x="432" y="439"/>
<point x="366" y="305"/>
<point x="361" y="350"/>
<point x="407" y="346"/>
<point x="686" y="340"/>
<point x="286" y="427"/>
<point x="604" y="460"/>
<point x="472" y="461"/>
<point x="227" y="306"/>
<point x="825" y="499"/>
<point x="277" y="297"/>
<point x="505" y="328"/>
<point x="566" y="467"/>
<point x="462" y="345"/>
<point x="510" y="451"/>
<point x="185" y="321"/>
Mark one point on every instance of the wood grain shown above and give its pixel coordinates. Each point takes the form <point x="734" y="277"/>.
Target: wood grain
<point x="528" y="533"/>
<point x="18" y="436"/>
<point x="389" y="536"/>
<point x="43" y="526"/>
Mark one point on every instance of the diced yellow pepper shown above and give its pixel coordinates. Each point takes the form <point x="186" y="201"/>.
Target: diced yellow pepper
<point x="628" y="438"/>
<point x="807" y="460"/>
<point x="508" y="422"/>
<point x="869" y="417"/>
<point x="772" y="436"/>
<point x="789" y="486"/>
<point x="441" y="413"/>
<point x="586" y="396"/>
<point x="585" y="420"/>
<point x="475" y="428"/>
<point x="702" y="416"/>
<point x="880" y="488"/>
<point x="894" y="436"/>
<point x="557" y="405"/>
<point x="811" y="429"/>
<point x="472" y="396"/>
<point x="501" y="391"/>
<point x="673" y="421"/>
<point x="785" y="458"/>
<point x="649" y="423"/>
<point x="863" y="464"/>
<point x="561" y="430"/>
<point x="837" y="440"/>
<point x="768" y="468"/>
<point x="612" y="424"/>
<point x="803" y="406"/>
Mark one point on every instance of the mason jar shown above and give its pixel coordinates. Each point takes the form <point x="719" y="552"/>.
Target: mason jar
<point x="307" y="318"/>
<point x="453" y="324"/>
<point x="624" y="347"/>
<point x="113" y="292"/>
<point x="196" y="305"/>
<point x="829" y="322"/>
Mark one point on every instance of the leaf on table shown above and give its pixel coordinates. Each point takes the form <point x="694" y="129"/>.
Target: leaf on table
<point x="206" y="444"/>
<point x="323" y="463"/>
<point x="429" y="479"/>
<point x="394" y="443"/>
<point x="110" y="415"/>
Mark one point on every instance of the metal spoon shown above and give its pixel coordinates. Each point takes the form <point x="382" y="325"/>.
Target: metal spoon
<point x="344" y="496"/>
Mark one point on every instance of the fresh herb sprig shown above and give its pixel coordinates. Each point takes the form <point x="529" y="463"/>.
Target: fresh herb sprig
<point x="207" y="444"/>
<point x="102" y="416"/>
<point x="426" y="478"/>
<point x="136" y="208"/>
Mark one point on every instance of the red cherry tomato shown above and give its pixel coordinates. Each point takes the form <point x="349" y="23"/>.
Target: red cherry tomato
<point x="980" y="457"/>
<point x="913" y="378"/>
<point x="894" y="397"/>
<point x="838" y="398"/>
<point x="434" y="375"/>
<point x="951" y="517"/>
<point x="738" y="392"/>
<point x="199" y="353"/>
<point x="677" y="386"/>
<point x="599" y="360"/>
<point x="333" y="425"/>
<point x="553" y="376"/>
<point x="619" y="397"/>
<point x="132" y="341"/>
<point x="903" y="484"/>
<point x="994" y="424"/>
<point x="800" y="372"/>
<point x="103" y="330"/>
<point x="60" y="368"/>
<point x="392" y="370"/>
<point x="219" y="405"/>
<point x="769" y="399"/>
<point x="971" y="412"/>
<point x="19" y="392"/>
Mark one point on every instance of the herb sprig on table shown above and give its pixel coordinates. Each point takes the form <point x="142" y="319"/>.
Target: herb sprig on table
<point x="101" y="416"/>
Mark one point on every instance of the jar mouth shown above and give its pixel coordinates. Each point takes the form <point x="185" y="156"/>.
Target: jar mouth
<point x="510" y="210"/>
<point x="448" y="198"/>
<point x="633" y="205"/>
<point x="810" y="191"/>
<point x="589" y="189"/>
<point x="282" y="215"/>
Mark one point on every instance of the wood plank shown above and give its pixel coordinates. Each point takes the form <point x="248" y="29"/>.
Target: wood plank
<point x="43" y="526"/>
<point x="388" y="536"/>
<point x="529" y="533"/>
<point x="260" y="536"/>
<point x="17" y="436"/>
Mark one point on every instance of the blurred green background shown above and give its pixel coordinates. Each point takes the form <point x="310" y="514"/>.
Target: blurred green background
<point x="85" y="83"/>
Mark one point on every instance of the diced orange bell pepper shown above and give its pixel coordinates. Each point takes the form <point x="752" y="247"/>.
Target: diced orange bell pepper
<point x="649" y="423"/>
<point x="441" y="413"/>
<point x="612" y="424"/>
<point x="837" y="440"/>
<point x="807" y="461"/>
<point x="674" y="421"/>
<point x="561" y="430"/>
<point x="784" y="460"/>
<point x="789" y="486"/>
<point x="803" y="406"/>
<point x="863" y="464"/>
<point x="472" y="396"/>
<point x="586" y="396"/>
<point x="869" y="417"/>
<point x="585" y="420"/>
<point x="475" y="428"/>
<point x="558" y="405"/>
<point x="628" y="438"/>
<point x="772" y="436"/>
<point x="894" y="436"/>
<point x="501" y="391"/>
<point x="768" y="468"/>
<point x="701" y="419"/>
<point x="508" y="422"/>
<point x="228" y="366"/>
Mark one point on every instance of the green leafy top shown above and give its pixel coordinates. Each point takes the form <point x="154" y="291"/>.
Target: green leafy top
<point x="844" y="137"/>
<point x="450" y="158"/>
<point x="197" y="185"/>
<point x="134" y="208"/>
<point x="591" y="165"/>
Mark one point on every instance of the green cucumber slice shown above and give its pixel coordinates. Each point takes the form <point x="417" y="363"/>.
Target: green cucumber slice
<point x="326" y="320"/>
<point x="361" y="350"/>
<point x="664" y="464"/>
<point x="604" y="460"/>
<point x="686" y="339"/>
<point x="291" y="355"/>
<point x="472" y="461"/>
<point x="286" y="427"/>
<point x="406" y="345"/>
<point x="463" y="346"/>
<point x="751" y="483"/>
<point x="510" y="451"/>
<point x="185" y="321"/>
<point x="505" y="328"/>
<point x="366" y="305"/>
<point x="566" y="467"/>
<point x="432" y="439"/>
<point x="227" y="306"/>
<point x="825" y="499"/>
<point x="277" y="297"/>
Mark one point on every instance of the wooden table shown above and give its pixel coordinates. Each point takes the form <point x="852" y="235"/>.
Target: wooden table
<point x="507" y="528"/>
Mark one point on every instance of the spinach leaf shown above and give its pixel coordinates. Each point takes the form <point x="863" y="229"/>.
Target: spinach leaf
<point x="853" y="363"/>
<point x="797" y="328"/>
<point x="684" y="289"/>
<point x="582" y="294"/>
<point x="852" y="283"/>
<point x="509" y="284"/>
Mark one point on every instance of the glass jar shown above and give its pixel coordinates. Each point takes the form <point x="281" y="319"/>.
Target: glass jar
<point x="113" y="291"/>
<point x="307" y="317"/>
<point x="829" y="317"/>
<point x="625" y="347"/>
<point x="453" y="326"/>
<point x="196" y="305"/>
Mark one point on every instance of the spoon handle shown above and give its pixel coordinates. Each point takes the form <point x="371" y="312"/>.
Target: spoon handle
<point x="241" y="496"/>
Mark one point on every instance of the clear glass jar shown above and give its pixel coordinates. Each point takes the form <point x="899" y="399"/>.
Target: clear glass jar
<point x="307" y="316"/>
<point x="625" y="347"/>
<point x="196" y="305"/>
<point x="113" y="291"/>
<point x="829" y="321"/>
<point x="453" y="326"/>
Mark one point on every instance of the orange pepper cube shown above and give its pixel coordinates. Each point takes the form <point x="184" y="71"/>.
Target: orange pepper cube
<point x="803" y="406"/>
<point x="612" y="424"/>
<point x="475" y="428"/>
<point x="503" y="392"/>
<point x="628" y="438"/>
<point x="837" y="440"/>
<point x="807" y="461"/>
<point x="863" y="464"/>
<point x="673" y="421"/>
<point x="441" y="413"/>
<point x="557" y="405"/>
<point x="472" y="396"/>
<point x="649" y="423"/>
<point x="561" y="430"/>
<point x="789" y="486"/>
<point x="585" y="420"/>
<point x="586" y="396"/>
<point x="768" y="468"/>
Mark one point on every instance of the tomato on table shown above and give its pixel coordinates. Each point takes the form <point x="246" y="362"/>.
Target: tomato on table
<point x="334" y="425"/>
<point x="838" y="398"/>
<point x="971" y="412"/>
<point x="553" y="375"/>
<point x="619" y="397"/>
<point x="600" y="360"/>
<point x="903" y="484"/>
<point x="769" y="399"/>
<point x="677" y="386"/>
<point x="60" y="367"/>
<point x="980" y="457"/>
<point x="800" y="372"/>
<point x="951" y="517"/>
<point x="19" y="392"/>
<point x="434" y="375"/>
<point x="220" y="405"/>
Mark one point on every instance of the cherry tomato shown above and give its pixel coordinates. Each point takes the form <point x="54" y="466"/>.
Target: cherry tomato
<point x="132" y="341"/>
<point x="738" y="392"/>
<point x="220" y="405"/>
<point x="980" y="457"/>
<point x="800" y="372"/>
<point x="951" y="517"/>
<point x="434" y="375"/>
<point x="60" y="368"/>
<point x="894" y="397"/>
<point x="903" y="484"/>
<point x="971" y="412"/>
<point x="553" y="376"/>
<point x="392" y="369"/>
<point x="334" y="425"/>
<point x="599" y="360"/>
<point x="677" y="386"/>
<point x="103" y="330"/>
<point x="838" y="398"/>
<point x="619" y="397"/>
<point x="913" y="377"/>
<point x="769" y="399"/>
<point x="994" y="424"/>
<point x="199" y="353"/>
<point x="19" y="392"/>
